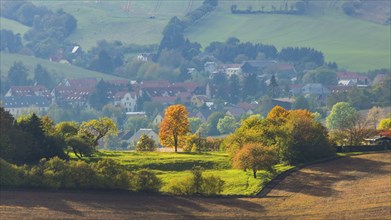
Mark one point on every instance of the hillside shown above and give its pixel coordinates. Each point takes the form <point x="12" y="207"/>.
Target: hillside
<point x="59" y="70"/>
<point x="353" y="42"/>
<point x="14" y="26"/>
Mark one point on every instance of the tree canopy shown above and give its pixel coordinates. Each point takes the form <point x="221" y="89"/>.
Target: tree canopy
<point x="174" y="127"/>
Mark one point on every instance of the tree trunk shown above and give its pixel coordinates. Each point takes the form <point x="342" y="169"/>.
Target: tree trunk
<point x="255" y="173"/>
<point x="176" y="143"/>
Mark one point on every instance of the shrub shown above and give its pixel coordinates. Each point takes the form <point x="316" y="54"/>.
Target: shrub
<point x="146" y="181"/>
<point x="145" y="144"/>
<point x="111" y="175"/>
<point x="10" y="175"/>
<point x="212" y="185"/>
<point x="197" y="184"/>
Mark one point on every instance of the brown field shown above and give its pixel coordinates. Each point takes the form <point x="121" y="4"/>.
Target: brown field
<point x="357" y="187"/>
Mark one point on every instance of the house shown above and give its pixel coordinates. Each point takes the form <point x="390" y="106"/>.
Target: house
<point x="352" y="78"/>
<point x="283" y="102"/>
<point x="210" y="67"/>
<point x="202" y="114"/>
<point x="72" y="95"/>
<point x="127" y="100"/>
<point x="158" y="119"/>
<point x="237" y="112"/>
<point x="136" y="137"/>
<point x="81" y="82"/>
<point x="378" y="140"/>
<point x="37" y="90"/>
<point x="233" y="69"/>
<point x="18" y="105"/>
<point x="315" y="89"/>
<point x="201" y="100"/>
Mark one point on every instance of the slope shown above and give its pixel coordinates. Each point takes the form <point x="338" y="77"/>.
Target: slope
<point x="58" y="69"/>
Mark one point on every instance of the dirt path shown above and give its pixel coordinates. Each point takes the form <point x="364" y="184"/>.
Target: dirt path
<point x="350" y="188"/>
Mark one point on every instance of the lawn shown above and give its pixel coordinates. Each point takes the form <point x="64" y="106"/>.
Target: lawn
<point x="58" y="70"/>
<point x="175" y="166"/>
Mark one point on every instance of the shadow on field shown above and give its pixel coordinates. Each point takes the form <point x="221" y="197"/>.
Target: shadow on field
<point x="319" y="180"/>
<point x="77" y="204"/>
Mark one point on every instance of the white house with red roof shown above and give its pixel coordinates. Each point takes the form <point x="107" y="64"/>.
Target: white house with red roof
<point x="127" y="100"/>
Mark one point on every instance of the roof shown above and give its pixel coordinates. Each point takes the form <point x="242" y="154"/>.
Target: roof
<point x="164" y="99"/>
<point x="81" y="82"/>
<point x="139" y="133"/>
<point x="37" y="90"/>
<point x="25" y="101"/>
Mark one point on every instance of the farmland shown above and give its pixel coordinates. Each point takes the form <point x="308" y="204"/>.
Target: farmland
<point x="355" y="44"/>
<point x="356" y="187"/>
<point x="59" y="70"/>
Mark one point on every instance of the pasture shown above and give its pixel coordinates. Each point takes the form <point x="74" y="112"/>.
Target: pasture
<point x="355" y="44"/>
<point x="57" y="69"/>
<point x="355" y="187"/>
<point x="175" y="166"/>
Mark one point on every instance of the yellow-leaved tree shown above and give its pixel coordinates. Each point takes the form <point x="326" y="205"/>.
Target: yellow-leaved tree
<point x="174" y="127"/>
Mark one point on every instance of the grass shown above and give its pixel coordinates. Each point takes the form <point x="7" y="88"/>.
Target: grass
<point x="14" y="26"/>
<point x="355" y="44"/>
<point x="108" y="19"/>
<point x="174" y="166"/>
<point x="58" y="70"/>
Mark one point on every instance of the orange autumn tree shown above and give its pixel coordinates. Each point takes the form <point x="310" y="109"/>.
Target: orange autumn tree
<point x="174" y="127"/>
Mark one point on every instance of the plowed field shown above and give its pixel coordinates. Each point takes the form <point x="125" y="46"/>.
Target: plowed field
<point x="354" y="187"/>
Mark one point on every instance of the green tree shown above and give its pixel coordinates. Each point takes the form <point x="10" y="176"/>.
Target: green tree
<point x="145" y="143"/>
<point x="17" y="74"/>
<point x="212" y="121"/>
<point x="195" y="124"/>
<point x="227" y="124"/>
<point x="385" y="124"/>
<point x="42" y="76"/>
<point x="341" y="116"/>
<point x="97" y="129"/>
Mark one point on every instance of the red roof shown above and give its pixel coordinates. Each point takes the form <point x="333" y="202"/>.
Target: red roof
<point x="82" y="82"/>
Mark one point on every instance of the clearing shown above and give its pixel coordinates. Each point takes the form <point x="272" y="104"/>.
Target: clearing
<point x="355" y="187"/>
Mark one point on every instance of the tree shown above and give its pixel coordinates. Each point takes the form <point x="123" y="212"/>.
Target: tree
<point x="17" y="74"/>
<point x="42" y="76"/>
<point x="194" y="123"/>
<point x="273" y="88"/>
<point x="97" y="129"/>
<point x="374" y="115"/>
<point x="256" y="157"/>
<point x="212" y="121"/>
<point x="174" y="126"/>
<point x="385" y="124"/>
<point x="145" y="143"/>
<point x="341" y="116"/>
<point x="227" y="124"/>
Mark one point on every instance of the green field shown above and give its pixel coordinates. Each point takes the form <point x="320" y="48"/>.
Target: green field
<point x="174" y="166"/>
<point x="14" y="26"/>
<point x="58" y="69"/>
<point x="354" y="44"/>
<point x="111" y="21"/>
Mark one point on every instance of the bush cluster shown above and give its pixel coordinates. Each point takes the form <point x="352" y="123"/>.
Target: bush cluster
<point x="59" y="174"/>
<point x="197" y="184"/>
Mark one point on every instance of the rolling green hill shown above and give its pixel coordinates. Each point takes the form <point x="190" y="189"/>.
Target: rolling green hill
<point x="60" y="70"/>
<point x="14" y="26"/>
<point x="353" y="43"/>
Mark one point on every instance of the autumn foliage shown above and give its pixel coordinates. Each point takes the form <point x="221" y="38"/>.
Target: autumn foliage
<point x="174" y="127"/>
<point x="256" y="157"/>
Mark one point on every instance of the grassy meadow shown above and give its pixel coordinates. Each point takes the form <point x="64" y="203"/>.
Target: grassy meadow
<point x="59" y="70"/>
<point x="14" y="26"/>
<point x="175" y="166"/>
